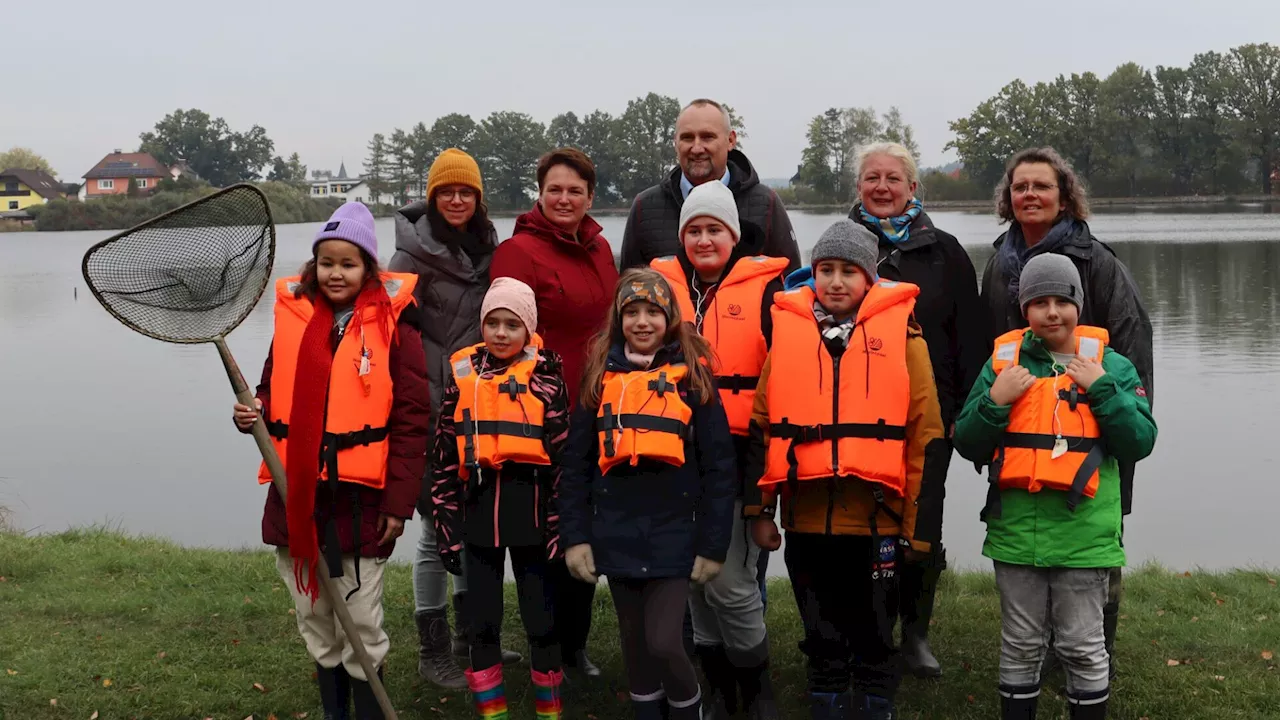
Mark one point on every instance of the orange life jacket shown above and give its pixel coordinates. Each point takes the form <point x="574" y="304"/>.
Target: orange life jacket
<point x="1053" y="413"/>
<point x="498" y="420"/>
<point x="732" y="326"/>
<point x="847" y="416"/>
<point x="642" y="415"/>
<point x="360" y="389"/>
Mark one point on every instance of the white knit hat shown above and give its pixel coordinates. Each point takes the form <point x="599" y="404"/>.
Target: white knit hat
<point x="711" y="199"/>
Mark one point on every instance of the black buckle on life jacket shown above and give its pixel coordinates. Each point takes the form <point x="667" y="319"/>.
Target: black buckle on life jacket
<point x="469" y="445"/>
<point x="1074" y="396"/>
<point x="607" y="424"/>
<point x="661" y="385"/>
<point x="512" y="387"/>
<point x="736" y="384"/>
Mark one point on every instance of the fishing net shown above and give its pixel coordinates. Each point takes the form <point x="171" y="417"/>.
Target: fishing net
<point x="192" y="274"/>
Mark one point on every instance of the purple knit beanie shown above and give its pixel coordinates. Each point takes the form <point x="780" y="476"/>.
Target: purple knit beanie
<point x="354" y="223"/>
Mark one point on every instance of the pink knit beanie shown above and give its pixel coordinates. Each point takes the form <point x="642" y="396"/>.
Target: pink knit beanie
<point x="511" y="294"/>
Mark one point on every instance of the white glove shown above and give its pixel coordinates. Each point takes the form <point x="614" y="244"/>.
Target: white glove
<point x="704" y="570"/>
<point x="582" y="564"/>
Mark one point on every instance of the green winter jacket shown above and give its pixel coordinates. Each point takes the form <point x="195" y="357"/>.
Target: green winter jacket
<point x="1037" y="528"/>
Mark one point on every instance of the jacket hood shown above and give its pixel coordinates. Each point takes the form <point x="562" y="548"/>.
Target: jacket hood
<point x="1080" y="243"/>
<point x="413" y="236"/>
<point x="535" y="223"/>
<point x="742" y="177"/>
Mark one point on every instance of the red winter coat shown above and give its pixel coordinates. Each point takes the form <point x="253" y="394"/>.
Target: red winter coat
<point x="573" y="280"/>
<point x="406" y="461"/>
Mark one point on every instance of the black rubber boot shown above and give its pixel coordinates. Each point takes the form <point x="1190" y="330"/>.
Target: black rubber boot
<point x="366" y="703"/>
<point x="461" y="642"/>
<point x="830" y="706"/>
<point x="1019" y="703"/>
<point x="1089" y="706"/>
<point x="1110" y="622"/>
<point x="917" y="590"/>
<point x="757" y="692"/>
<point x="720" y="701"/>
<point x="335" y="691"/>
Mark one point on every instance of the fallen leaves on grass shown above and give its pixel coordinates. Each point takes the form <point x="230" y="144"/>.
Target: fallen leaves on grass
<point x="260" y="687"/>
<point x="94" y="716"/>
<point x="162" y="655"/>
<point x="1219" y="678"/>
<point x="53" y="702"/>
<point x="1173" y="663"/>
<point x="106" y="682"/>
<point x="1159" y="613"/>
<point x="11" y="671"/>
<point x="1267" y="655"/>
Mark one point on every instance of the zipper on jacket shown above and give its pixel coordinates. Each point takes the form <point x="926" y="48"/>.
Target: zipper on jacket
<point x="536" y="483"/>
<point x="835" y="442"/>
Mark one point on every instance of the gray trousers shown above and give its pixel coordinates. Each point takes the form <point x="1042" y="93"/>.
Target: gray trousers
<point x="430" y="579"/>
<point x="728" y="610"/>
<point x="1066" y="601"/>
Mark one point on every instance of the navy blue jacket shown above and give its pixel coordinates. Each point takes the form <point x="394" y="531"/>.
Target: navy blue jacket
<point x="651" y="520"/>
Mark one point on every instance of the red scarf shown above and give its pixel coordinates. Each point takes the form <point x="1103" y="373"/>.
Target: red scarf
<point x="307" y="421"/>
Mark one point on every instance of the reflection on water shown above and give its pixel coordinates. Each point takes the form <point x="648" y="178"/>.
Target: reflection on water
<point x="103" y="425"/>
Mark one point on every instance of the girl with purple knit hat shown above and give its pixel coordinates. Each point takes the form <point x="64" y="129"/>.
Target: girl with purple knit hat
<point x="344" y="394"/>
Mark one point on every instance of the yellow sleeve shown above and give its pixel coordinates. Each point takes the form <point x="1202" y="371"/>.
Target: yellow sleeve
<point x="924" y="425"/>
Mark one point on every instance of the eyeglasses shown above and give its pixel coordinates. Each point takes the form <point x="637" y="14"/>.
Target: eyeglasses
<point x="465" y="194"/>
<point x="1037" y="188"/>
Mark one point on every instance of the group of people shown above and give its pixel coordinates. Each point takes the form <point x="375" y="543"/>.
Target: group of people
<point x="655" y="427"/>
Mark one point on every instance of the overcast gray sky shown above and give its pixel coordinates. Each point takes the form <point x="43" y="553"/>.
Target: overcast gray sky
<point x="322" y="77"/>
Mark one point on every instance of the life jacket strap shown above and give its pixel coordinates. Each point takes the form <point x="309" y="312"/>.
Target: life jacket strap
<point x="833" y="431"/>
<point x="1094" y="449"/>
<point x="470" y="427"/>
<point x="340" y="441"/>
<point x="512" y="387"/>
<point x="736" y="384"/>
<point x="637" y="421"/>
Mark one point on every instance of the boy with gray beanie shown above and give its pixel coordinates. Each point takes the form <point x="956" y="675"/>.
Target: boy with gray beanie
<point x="844" y="410"/>
<point x="1053" y="414"/>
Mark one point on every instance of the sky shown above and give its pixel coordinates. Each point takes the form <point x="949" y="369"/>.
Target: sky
<point x="323" y="76"/>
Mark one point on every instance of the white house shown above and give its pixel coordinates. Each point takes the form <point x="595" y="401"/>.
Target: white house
<point x="348" y="188"/>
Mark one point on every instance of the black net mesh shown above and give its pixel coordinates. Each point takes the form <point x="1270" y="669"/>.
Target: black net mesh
<point x="192" y="274"/>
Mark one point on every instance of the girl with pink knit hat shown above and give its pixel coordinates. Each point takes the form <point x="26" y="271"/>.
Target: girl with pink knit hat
<point x="495" y="475"/>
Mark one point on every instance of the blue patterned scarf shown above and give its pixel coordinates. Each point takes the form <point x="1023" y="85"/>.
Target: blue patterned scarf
<point x="1014" y="252"/>
<point x="893" y="229"/>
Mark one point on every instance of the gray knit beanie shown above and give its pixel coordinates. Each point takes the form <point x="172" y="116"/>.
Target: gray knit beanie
<point x="849" y="241"/>
<point x="1049" y="275"/>
<point x="714" y="200"/>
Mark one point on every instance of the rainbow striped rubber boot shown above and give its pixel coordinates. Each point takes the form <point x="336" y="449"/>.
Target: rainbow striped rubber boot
<point x="488" y="693"/>
<point x="546" y="694"/>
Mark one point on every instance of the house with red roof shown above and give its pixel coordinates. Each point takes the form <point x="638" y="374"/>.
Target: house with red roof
<point x="116" y="172"/>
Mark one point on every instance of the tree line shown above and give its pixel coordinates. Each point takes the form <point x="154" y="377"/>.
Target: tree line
<point x="1212" y="127"/>
<point x="631" y="151"/>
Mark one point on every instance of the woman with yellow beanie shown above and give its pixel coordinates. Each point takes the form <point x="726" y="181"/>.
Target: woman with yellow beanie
<point x="448" y="241"/>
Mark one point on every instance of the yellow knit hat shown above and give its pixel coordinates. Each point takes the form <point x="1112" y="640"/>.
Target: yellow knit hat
<point x="454" y="167"/>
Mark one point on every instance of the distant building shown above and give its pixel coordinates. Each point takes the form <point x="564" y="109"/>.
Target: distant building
<point x="349" y="188"/>
<point x="21" y="188"/>
<point x="115" y="172"/>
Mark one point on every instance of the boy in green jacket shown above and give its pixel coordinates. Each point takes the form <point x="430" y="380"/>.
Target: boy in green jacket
<point x="1052" y="414"/>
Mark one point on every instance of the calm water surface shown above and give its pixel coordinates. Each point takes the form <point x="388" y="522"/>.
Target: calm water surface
<point x="104" y="426"/>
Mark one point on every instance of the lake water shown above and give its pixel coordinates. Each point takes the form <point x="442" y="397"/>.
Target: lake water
<point x="104" y="426"/>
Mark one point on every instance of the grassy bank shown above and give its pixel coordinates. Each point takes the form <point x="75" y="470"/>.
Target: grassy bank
<point x="94" y="622"/>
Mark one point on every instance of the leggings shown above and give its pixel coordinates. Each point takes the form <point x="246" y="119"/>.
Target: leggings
<point x="485" y="568"/>
<point x="650" y="617"/>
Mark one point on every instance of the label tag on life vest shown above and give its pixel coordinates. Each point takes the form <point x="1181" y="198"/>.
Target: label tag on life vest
<point x="1059" y="449"/>
<point x="364" y="363"/>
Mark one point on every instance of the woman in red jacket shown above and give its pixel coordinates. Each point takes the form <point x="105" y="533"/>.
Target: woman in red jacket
<point x="557" y="250"/>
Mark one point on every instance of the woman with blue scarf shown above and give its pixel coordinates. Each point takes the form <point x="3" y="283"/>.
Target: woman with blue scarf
<point x="957" y="329"/>
<point x="1046" y="206"/>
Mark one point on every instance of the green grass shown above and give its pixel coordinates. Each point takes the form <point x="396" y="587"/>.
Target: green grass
<point x="129" y="627"/>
